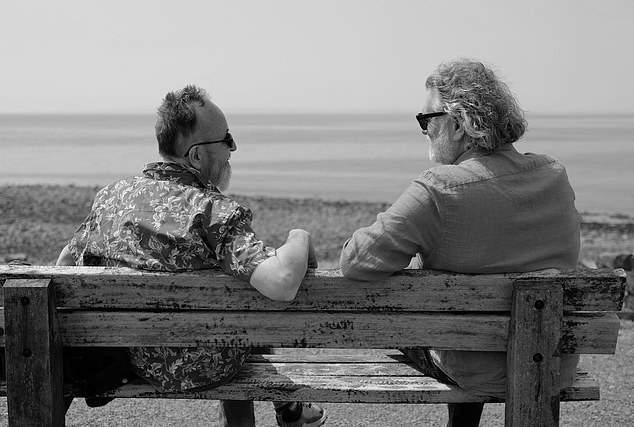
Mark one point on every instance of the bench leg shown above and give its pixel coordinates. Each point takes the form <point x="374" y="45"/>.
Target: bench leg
<point x="532" y="383"/>
<point x="33" y="354"/>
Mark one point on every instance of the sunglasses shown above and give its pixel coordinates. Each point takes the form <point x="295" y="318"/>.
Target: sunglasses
<point x="423" y="119"/>
<point x="228" y="139"/>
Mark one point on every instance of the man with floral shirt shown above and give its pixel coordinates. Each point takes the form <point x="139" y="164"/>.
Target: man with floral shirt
<point x="175" y="218"/>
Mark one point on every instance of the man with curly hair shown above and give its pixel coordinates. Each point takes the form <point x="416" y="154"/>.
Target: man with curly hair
<point x="487" y="209"/>
<point x="174" y="217"/>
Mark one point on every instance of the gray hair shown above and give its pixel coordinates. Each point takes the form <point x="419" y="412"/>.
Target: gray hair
<point x="474" y="93"/>
<point x="176" y="116"/>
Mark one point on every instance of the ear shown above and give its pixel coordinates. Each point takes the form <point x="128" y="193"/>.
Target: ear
<point x="457" y="130"/>
<point x="194" y="158"/>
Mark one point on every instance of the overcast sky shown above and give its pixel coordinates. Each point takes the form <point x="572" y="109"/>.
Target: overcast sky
<point x="323" y="56"/>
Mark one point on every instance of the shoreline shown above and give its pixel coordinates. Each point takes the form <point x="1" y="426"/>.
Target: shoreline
<point x="588" y="217"/>
<point x="37" y="220"/>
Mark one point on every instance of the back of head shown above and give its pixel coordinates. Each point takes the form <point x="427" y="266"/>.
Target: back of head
<point x="474" y="94"/>
<point x="177" y="116"/>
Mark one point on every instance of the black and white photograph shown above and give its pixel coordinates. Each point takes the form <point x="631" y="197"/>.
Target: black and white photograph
<point x="287" y="213"/>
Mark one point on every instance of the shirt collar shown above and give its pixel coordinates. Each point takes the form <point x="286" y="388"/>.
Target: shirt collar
<point x="182" y="174"/>
<point x="474" y="153"/>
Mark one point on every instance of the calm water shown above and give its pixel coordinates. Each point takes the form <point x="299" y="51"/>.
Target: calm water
<point x="354" y="157"/>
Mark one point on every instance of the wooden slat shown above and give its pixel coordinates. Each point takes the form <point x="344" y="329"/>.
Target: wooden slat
<point x="331" y="355"/>
<point x="33" y="354"/>
<point x="533" y="358"/>
<point x="411" y="290"/>
<point x="582" y="333"/>
<point x="278" y="382"/>
<point x="581" y="329"/>
<point x="315" y="389"/>
<point x="584" y="388"/>
<point x="285" y="329"/>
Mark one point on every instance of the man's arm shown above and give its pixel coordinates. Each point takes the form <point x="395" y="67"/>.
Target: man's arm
<point x="65" y="257"/>
<point x="280" y="276"/>
<point x="411" y="225"/>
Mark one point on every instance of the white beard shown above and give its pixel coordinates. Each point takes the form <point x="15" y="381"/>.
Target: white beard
<point x="218" y="174"/>
<point x="442" y="150"/>
<point x="224" y="179"/>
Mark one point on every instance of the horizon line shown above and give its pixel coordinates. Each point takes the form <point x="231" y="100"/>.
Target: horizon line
<point x="297" y="112"/>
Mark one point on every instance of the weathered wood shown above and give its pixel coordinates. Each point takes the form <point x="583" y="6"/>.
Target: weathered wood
<point x="584" y="388"/>
<point x="258" y="383"/>
<point x="411" y="290"/>
<point x="365" y="383"/>
<point x="123" y="307"/>
<point x="533" y="356"/>
<point x="583" y="333"/>
<point x="33" y="354"/>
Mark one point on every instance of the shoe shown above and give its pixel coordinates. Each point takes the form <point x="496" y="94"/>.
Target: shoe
<point x="312" y="415"/>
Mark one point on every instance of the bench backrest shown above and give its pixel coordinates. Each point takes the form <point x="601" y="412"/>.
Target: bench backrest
<point x="100" y="306"/>
<point x="533" y="317"/>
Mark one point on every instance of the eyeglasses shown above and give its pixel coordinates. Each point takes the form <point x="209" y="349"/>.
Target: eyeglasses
<point x="228" y="139"/>
<point x="423" y="119"/>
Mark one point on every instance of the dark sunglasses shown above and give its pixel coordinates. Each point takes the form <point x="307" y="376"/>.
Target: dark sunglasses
<point x="423" y="119"/>
<point x="228" y="139"/>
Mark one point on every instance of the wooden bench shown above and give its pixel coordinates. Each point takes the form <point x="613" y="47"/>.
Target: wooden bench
<point x="533" y="317"/>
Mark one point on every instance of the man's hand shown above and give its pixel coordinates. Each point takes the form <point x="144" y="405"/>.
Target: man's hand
<point x="312" y="255"/>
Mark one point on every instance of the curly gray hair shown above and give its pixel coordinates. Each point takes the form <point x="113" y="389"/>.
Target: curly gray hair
<point x="475" y="94"/>
<point x="176" y="115"/>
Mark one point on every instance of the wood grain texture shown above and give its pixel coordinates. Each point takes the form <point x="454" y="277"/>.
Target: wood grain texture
<point x="122" y="307"/>
<point x="533" y="356"/>
<point x="582" y="333"/>
<point x="587" y="333"/>
<point x="33" y="354"/>
<point x="378" y="376"/>
<point x="410" y="290"/>
<point x="359" y="382"/>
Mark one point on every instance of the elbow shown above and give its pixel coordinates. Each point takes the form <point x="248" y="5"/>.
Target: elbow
<point x="286" y="286"/>
<point x="349" y="272"/>
<point x="346" y="269"/>
<point x="277" y="281"/>
<point x="354" y="269"/>
<point x="347" y="265"/>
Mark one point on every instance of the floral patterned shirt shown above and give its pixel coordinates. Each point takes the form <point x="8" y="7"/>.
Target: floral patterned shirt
<point x="168" y="220"/>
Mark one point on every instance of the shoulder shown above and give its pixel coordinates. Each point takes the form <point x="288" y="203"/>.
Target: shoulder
<point x="448" y="176"/>
<point x="221" y="208"/>
<point x="114" y="189"/>
<point x="540" y="160"/>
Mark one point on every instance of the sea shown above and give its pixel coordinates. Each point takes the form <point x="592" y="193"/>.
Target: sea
<point x="356" y="157"/>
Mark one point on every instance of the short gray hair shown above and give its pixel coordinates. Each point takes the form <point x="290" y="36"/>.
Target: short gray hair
<point x="474" y="93"/>
<point x="176" y="116"/>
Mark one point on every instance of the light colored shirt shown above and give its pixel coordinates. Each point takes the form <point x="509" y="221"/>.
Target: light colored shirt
<point x="490" y="212"/>
<point x="168" y="220"/>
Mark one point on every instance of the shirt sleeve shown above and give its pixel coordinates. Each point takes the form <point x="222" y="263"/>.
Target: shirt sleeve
<point x="243" y="251"/>
<point x="84" y="245"/>
<point x="411" y="226"/>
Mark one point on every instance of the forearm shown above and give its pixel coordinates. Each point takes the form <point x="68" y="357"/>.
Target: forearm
<point x="373" y="253"/>
<point x="409" y="227"/>
<point x="280" y="276"/>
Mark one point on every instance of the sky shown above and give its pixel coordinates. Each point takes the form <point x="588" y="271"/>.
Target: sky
<point x="122" y="56"/>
